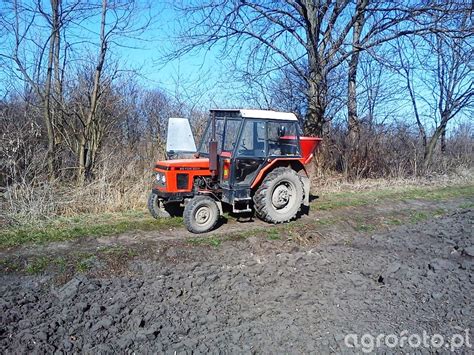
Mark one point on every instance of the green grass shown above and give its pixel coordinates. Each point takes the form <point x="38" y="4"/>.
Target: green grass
<point x="353" y="199"/>
<point x="118" y="251"/>
<point x="326" y="221"/>
<point x="37" y="265"/>
<point x="362" y="225"/>
<point x="272" y="233"/>
<point x="83" y="266"/>
<point x="418" y="216"/>
<point x="466" y="205"/>
<point x="213" y="241"/>
<point x="84" y="261"/>
<point x="66" y="228"/>
<point x="9" y="265"/>
<point x="365" y="227"/>
<point x="74" y="261"/>
<point x="98" y="225"/>
<point x="395" y="221"/>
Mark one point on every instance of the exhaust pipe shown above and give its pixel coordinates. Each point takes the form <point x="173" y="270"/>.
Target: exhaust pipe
<point x="213" y="147"/>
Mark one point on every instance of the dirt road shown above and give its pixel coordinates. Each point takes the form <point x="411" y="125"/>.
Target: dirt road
<point x="302" y="292"/>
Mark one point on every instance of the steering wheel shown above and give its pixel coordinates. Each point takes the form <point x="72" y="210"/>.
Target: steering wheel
<point x="243" y="144"/>
<point x="244" y="151"/>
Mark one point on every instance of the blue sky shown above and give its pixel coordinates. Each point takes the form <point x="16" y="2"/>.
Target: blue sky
<point x="200" y="77"/>
<point x="190" y="76"/>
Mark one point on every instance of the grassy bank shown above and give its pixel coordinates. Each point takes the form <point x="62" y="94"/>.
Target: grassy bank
<point x="364" y="198"/>
<point x="94" y="225"/>
<point x="97" y="225"/>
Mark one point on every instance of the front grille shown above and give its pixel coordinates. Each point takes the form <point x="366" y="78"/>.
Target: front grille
<point x="182" y="181"/>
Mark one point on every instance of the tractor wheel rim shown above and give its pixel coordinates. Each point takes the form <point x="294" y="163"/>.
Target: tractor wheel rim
<point x="283" y="196"/>
<point x="203" y="214"/>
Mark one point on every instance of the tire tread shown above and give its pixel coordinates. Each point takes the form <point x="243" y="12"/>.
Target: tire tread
<point x="188" y="213"/>
<point x="155" y="211"/>
<point x="260" y="205"/>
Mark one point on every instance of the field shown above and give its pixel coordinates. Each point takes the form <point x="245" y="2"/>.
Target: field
<point x="373" y="261"/>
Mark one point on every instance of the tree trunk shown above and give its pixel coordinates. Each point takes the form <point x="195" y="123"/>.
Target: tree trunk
<point x="353" y="118"/>
<point x="57" y="107"/>
<point x="421" y="129"/>
<point x="352" y="151"/>
<point x="353" y="138"/>
<point x="88" y="145"/>
<point x="316" y="97"/>
<point x="443" y="141"/>
<point x="430" y="148"/>
<point x="47" y="110"/>
<point x="81" y="160"/>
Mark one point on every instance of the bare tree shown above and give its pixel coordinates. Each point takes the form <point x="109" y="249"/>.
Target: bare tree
<point x="353" y="120"/>
<point x="45" y="62"/>
<point x="455" y="85"/>
<point x="38" y="77"/>
<point x="91" y="134"/>
<point x="118" y="20"/>
<point x="310" y="37"/>
<point x="440" y="82"/>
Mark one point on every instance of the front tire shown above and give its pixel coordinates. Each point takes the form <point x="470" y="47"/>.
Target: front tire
<point x="159" y="209"/>
<point x="279" y="197"/>
<point x="201" y="214"/>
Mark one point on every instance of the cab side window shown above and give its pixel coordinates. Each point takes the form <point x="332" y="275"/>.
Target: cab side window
<point x="231" y="133"/>
<point x="282" y="139"/>
<point x="207" y="136"/>
<point x="252" y="139"/>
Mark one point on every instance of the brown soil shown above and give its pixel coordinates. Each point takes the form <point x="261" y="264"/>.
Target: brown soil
<point x="302" y="288"/>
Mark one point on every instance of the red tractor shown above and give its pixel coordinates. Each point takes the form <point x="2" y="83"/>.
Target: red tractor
<point x="248" y="161"/>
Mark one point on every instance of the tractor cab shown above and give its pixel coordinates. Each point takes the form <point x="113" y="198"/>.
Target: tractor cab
<point x="238" y="151"/>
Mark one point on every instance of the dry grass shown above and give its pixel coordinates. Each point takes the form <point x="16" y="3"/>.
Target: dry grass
<point x="50" y="199"/>
<point x="337" y="183"/>
<point x="23" y="202"/>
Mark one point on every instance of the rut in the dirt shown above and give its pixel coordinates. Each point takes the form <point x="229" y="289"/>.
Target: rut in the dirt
<point x="414" y="278"/>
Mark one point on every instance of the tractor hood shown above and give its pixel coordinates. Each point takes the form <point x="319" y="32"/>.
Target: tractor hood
<point x="183" y="164"/>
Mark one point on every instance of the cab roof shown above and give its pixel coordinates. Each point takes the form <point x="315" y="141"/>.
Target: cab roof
<point x="263" y="114"/>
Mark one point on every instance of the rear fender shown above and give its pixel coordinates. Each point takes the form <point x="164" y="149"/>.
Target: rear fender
<point x="295" y="164"/>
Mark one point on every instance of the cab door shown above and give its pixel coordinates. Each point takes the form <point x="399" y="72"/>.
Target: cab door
<point x="250" y="153"/>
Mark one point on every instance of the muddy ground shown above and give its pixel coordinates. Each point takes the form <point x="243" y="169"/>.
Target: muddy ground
<point x="302" y="289"/>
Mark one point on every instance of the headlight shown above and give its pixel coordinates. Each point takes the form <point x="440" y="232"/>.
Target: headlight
<point x="161" y="178"/>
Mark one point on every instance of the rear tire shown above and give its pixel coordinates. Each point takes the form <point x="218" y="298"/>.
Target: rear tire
<point x="159" y="209"/>
<point x="279" y="197"/>
<point x="201" y="214"/>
